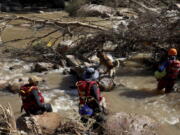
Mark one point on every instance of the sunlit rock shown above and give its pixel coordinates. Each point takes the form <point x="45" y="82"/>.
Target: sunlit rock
<point x="46" y="123"/>
<point x="15" y="84"/>
<point x="132" y="124"/>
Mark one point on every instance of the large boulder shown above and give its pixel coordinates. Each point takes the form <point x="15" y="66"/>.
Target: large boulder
<point x="107" y="84"/>
<point x="46" y="123"/>
<point x="3" y="84"/>
<point x="49" y="124"/>
<point x="131" y="124"/>
<point x="73" y="61"/>
<point x="15" y="84"/>
<point x="94" y="10"/>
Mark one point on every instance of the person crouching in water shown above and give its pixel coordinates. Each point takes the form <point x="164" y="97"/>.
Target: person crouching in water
<point x="32" y="99"/>
<point x="91" y="102"/>
<point x="168" y="72"/>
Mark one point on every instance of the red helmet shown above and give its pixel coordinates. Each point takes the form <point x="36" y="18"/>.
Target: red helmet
<point x="172" y="52"/>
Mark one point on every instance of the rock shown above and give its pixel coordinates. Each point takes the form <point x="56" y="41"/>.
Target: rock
<point x="178" y="5"/>
<point x="14" y="85"/>
<point x="94" y="59"/>
<point x="106" y="84"/>
<point x="73" y="61"/>
<point x="42" y="66"/>
<point x="132" y="124"/>
<point x="93" y="10"/>
<point x="109" y="46"/>
<point x="3" y="84"/>
<point x="46" y="123"/>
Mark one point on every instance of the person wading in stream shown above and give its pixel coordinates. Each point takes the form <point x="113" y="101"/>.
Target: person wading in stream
<point x="108" y="62"/>
<point x="168" y="72"/>
<point x="32" y="99"/>
<point x="91" y="102"/>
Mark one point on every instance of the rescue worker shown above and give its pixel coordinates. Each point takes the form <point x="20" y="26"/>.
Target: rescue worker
<point x="91" y="101"/>
<point x="32" y="99"/>
<point x="168" y="72"/>
<point x="107" y="62"/>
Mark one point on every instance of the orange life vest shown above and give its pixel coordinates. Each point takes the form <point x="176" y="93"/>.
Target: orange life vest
<point x="27" y="101"/>
<point x="84" y="89"/>
<point x="173" y="69"/>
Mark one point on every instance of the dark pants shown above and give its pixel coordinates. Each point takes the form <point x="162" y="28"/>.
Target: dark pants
<point x="168" y="84"/>
<point x="37" y="111"/>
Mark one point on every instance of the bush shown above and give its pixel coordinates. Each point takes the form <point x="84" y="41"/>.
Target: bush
<point x="74" y="5"/>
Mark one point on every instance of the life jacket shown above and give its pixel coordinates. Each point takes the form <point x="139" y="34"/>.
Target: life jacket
<point x="84" y="89"/>
<point x="173" y="69"/>
<point x="28" y="101"/>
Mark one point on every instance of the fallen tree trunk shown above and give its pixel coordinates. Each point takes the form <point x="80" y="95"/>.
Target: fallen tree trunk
<point x="55" y="22"/>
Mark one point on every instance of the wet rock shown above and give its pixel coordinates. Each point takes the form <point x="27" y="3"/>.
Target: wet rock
<point x="42" y="66"/>
<point x="94" y="59"/>
<point x="72" y="60"/>
<point x="95" y="10"/>
<point x="14" y="85"/>
<point x="132" y="124"/>
<point x="109" y="46"/>
<point x="107" y="84"/>
<point x="46" y="123"/>
<point x="3" y="84"/>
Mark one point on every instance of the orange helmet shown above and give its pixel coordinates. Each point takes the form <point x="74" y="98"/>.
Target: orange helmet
<point x="172" y="52"/>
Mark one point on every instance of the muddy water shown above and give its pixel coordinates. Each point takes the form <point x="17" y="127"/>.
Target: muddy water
<point x="55" y="88"/>
<point x="136" y="94"/>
